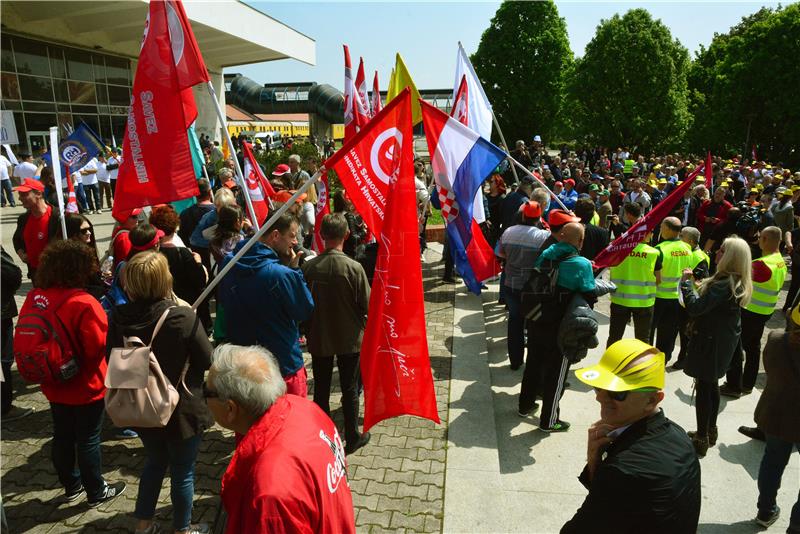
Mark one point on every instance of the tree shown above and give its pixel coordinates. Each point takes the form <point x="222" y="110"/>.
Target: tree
<point x="744" y="88"/>
<point x="521" y="60"/>
<point x="629" y="88"/>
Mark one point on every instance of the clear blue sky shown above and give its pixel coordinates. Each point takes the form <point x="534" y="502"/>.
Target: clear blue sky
<point x="426" y="34"/>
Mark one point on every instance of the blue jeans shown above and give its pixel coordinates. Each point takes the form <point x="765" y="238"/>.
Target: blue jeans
<point x="80" y="196"/>
<point x="516" y="326"/>
<point x="180" y="456"/>
<point x="76" y="428"/>
<point x="7" y="193"/>
<point x="776" y="456"/>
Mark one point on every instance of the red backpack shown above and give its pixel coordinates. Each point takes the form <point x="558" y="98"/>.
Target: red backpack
<point x="43" y="349"/>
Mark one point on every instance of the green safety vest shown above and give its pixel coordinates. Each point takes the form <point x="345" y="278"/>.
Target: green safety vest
<point x="698" y="256"/>
<point x="765" y="294"/>
<point x="628" y="166"/>
<point x="595" y="219"/>
<point x="677" y="257"/>
<point x="635" y="279"/>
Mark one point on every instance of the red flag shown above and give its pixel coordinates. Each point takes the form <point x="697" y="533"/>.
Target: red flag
<point x="157" y="167"/>
<point x="355" y="110"/>
<point x="395" y="365"/>
<point x="367" y="162"/>
<point x="709" y="171"/>
<point x="72" y="201"/>
<point x="361" y="91"/>
<point x="258" y="187"/>
<point x="619" y="249"/>
<point x="321" y="209"/>
<point x="375" y="103"/>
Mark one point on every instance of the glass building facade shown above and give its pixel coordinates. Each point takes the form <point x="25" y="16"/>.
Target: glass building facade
<point x="45" y="84"/>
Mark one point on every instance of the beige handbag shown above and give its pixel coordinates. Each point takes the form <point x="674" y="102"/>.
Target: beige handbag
<point x="138" y="394"/>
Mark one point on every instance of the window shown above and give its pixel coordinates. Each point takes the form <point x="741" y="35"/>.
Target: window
<point x="119" y="96"/>
<point x="9" y="86"/>
<point x="60" y="88"/>
<point x="118" y="70"/>
<point x="79" y="65"/>
<point x="99" y="69"/>
<point x="36" y="88"/>
<point x="6" y="55"/>
<point x="40" y="122"/>
<point x="57" y="65"/>
<point x="31" y="58"/>
<point x="81" y="92"/>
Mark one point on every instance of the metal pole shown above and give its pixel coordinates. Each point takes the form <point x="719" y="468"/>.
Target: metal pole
<point x="256" y="237"/>
<point x="232" y="150"/>
<point x="529" y="173"/>
<point x="503" y="140"/>
<point x="55" y="160"/>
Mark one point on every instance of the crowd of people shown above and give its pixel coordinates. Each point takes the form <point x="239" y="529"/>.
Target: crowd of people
<point x="709" y="275"/>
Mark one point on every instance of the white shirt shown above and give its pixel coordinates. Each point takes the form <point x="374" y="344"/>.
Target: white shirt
<point x="112" y="174"/>
<point x="24" y="170"/>
<point x="4" y="165"/>
<point x="89" y="179"/>
<point x="102" y="173"/>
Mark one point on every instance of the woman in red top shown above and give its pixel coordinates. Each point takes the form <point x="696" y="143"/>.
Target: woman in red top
<point x="65" y="267"/>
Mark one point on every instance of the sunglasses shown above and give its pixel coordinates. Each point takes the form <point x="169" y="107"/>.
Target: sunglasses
<point x="620" y="396"/>
<point x="209" y="393"/>
<point x="86" y="231"/>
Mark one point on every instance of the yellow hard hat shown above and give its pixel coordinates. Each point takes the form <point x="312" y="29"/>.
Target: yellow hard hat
<point x="620" y="370"/>
<point x="795" y="315"/>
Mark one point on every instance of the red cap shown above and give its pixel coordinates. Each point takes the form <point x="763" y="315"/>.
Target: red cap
<point x="281" y="169"/>
<point x="531" y="210"/>
<point x="561" y="217"/>
<point x="127" y="214"/>
<point x="230" y="184"/>
<point x="570" y="181"/>
<point x="559" y="184"/>
<point x="29" y="184"/>
<point x="284" y="196"/>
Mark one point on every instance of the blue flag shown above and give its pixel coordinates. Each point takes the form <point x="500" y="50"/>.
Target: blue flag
<point x="78" y="149"/>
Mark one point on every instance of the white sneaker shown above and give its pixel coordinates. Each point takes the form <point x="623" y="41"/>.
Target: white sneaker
<point x="200" y="528"/>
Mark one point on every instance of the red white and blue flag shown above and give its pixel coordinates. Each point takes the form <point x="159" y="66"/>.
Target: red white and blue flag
<point x="461" y="161"/>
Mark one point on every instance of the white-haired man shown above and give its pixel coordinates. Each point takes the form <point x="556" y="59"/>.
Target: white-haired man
<point x="288" y="473"/>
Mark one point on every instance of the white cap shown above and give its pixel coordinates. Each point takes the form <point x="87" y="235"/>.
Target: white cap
<point x="537" y="138"/>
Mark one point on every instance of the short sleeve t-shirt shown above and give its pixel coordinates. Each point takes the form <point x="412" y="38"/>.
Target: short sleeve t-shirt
<point x="35" y="236"/>
<point x="25" y="170"/>
<point x="102" y="173"/>
<point x="4" y="165"/>
<point x="91" y="178"/>
<point x="112" y="174"/>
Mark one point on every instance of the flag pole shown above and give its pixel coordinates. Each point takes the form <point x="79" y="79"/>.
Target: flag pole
<point x="55" y="159"/>
<point x="503" y="140"/>
<point x="269" y="222"/>
<point x="239" y="175"/>
<point x="529" y="173"/>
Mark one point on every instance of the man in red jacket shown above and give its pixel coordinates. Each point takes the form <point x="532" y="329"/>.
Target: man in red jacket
<point x="712" y="213"/>
<point x="288" y="473"/>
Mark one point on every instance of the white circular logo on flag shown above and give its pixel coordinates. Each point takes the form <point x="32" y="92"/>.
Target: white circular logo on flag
<point x="382" y="155"/>
<point x="175" y="33"/>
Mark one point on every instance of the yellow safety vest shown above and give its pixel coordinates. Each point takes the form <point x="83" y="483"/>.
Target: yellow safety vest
<point x="595" y="219"/>
<point x="765" y="294"/>
<point x="635" y="279"/>
<point x="698" y="256"/>
<point x="677" y="257"/>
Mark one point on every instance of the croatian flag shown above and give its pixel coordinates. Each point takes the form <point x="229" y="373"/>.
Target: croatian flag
<point x="461" y="161"/>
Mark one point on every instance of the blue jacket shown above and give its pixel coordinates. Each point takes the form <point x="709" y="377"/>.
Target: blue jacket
<point x="264" y="301"/>
<point x="208" y="220"/>
<point x="574" y="274"/>
<point x="569" y="199"/>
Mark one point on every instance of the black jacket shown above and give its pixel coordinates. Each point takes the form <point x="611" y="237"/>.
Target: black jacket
<point x="182" y="336"/>
<point x="648" y="482"/>
<point x="53" y="228"/>
<point x="11" y="279"/>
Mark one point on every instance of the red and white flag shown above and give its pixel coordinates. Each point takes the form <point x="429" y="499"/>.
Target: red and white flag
<point x="258" y="187"/>
<point x="355" y="111"/>
<point x="375" y="102"/>
<point x="377" y="170"/>
<point x="320" y="210"/>
<point x="361" y="90"/>
<point x="72" y="200"/>
<point x="157" y="167"/>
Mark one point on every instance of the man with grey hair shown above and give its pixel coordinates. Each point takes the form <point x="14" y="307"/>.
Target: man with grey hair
<point x="297" y="176"/>
<point x="288" y="473"/>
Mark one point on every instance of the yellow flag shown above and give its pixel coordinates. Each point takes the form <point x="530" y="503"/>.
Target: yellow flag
<point x="400" y="80"/>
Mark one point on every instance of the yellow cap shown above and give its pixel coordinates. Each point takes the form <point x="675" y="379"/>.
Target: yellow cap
<point x="679" y="182"/>
<point x="620" y="368"/>
<point x="701" y="178"/>
<point x="795" y="188"/>
<point x="794" y="315"/>
<point x="760" y="187"/>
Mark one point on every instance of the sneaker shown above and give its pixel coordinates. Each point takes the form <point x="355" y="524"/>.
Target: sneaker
<point x="111" y="491"/>
<point x="15" y="413"/>
<point x="74" y="495"/>
<point x="363" y="440"/>
<point x="730" y="391"/>
<point x="526" y="413"/>
<point x="154" y="528"/>
<point x="516" y="366"/>
<point x="560" y="426"/>
<point x="765" y="519"/>
<point x="753" y="433"/>
<point x="200" y="528"/>
<point x="125" y="433"/>
<point x="678" y="365"/>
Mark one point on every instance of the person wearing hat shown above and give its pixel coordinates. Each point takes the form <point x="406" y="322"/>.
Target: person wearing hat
<point x="783" y="210"/>
<point x="568" y="196"/>
<point x="776" y="417"/>
<point x="641" y="471"/>
<point x="120" y="246"/>
<point x="519" y="247"/>
<point x="36" y="227"/>
<point x="282" y="176"/>
<point x="548" y="372"/>
<point x="604" y="208"/>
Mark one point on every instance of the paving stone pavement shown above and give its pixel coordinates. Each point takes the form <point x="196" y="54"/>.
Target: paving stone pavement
<point x="397" y="480"/>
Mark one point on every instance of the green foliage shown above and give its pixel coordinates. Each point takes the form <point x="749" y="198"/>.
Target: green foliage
<point x="629" y="88"/>
<point x="273" y="158"/>
<point x="521" y="60"/>
<point x="744" y="88"/>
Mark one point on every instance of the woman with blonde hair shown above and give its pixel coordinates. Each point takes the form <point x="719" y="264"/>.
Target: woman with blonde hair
<point x="184" y="355"/>
<point x="715" y="324"/>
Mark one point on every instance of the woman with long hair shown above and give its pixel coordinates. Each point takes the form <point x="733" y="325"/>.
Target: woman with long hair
<point x="228" y="231"/>
<point x="80" y="229"/>
<point x="183" y="351"/>
<point x="715" y="324"/>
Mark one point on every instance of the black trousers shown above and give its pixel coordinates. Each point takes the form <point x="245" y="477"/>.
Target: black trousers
<point x="620" y="315"/>
<point x="683" y="320"/>
<point x="348" y="380"/>
<point x="752" y="329"/>
<point x="7" y="387"/>
<point x="664" y="329"/>
<point x="794" y="287"/>
<point x="706" y="406"/>
<point x="544" y="374"/>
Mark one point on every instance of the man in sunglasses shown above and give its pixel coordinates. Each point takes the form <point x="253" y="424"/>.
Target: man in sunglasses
<point x="641" y="472"/>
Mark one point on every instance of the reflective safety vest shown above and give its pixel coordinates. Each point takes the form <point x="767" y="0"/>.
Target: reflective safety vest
<point x="635" y="279"/>
<point x="765" y="294"/>
<point x="677" y="257"/>
<point x="628" y="166"/>
<point x="698" y="256"/>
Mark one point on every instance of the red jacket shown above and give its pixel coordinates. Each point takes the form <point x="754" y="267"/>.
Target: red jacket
<point x="711" y="209"/>
<point x="288" y="474"/>
<point x="86" y="325"/>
